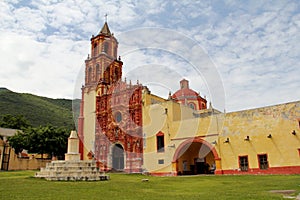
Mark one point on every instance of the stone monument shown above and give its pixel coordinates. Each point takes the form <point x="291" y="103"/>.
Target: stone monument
<point x="72" y="168"/>
<point x="73" y="147"/>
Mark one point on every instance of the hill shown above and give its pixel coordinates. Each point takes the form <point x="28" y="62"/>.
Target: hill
<point x="37" y="110"/>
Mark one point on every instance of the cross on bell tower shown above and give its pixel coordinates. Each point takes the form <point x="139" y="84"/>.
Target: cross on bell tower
<point x="105" y="17"/>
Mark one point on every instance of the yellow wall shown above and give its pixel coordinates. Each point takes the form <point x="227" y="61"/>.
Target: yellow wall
<point x="179" y="125"/>
<point x="279" y="121"/>
<point x="16" y="163"/>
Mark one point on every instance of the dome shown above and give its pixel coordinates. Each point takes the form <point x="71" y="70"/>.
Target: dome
<point x="189" y="97"/>
<point x="185" y="93"/>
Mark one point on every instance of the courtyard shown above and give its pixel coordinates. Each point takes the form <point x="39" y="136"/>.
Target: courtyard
<point x="22" y="185"/>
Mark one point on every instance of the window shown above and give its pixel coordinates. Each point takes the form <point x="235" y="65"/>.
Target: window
<point x="95" y="49"/>
<point x="89" y="79"/>
<point x="98" y="71"/>
<point x="263" y="161"/>
<point x="115" y="53"/>
<point x="160" y="142"/>
<point x="192" y="106"/>
<point x="161" y="161"/>
<point x="243" y="161"/>
<point x="105" y="49"/>
<point x="118" y="117"/>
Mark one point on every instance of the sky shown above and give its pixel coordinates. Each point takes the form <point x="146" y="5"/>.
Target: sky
<point x="238" y="54"/>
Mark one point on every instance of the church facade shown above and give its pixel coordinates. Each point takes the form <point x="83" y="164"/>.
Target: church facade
<point x="126" y="128"/>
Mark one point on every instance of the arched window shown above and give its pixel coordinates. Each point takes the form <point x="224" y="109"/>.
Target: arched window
<point x="89" y="75"/>
<point x="160" y="142"/>
<point x="192" y="106"/>
<point x="95" y="49"/>
<point x="118" y="117"/>
<point x="106" y="77"/>
<point x="115" y="52"/>
<point x="105" y="47"/>
<point x="97" y="71"/>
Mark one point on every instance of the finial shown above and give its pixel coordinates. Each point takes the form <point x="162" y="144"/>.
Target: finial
<point x="137" y="82"/>
<point x="119" y="57"/>
<point x="210" y="105"/>
<point x="170" y="96"/>
<point x="105" y="17"/>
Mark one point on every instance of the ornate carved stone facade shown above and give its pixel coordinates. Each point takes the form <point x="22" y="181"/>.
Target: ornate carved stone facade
<point x="119" y="125"/>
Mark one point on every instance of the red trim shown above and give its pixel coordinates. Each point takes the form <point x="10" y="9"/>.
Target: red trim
<point x="271" y="170"/>
<point x="163" y="173"/>
<point x="254" y="171"/>
<point x="160" y="134"/>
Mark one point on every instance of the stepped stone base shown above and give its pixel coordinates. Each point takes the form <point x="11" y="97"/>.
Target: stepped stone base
<point x="72" y="171"/>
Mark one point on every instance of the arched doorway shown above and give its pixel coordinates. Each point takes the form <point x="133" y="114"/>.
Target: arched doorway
<point x="195" y="156"/>
<point x="118" y="157"/>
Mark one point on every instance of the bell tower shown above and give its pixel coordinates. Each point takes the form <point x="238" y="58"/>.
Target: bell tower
<point x="102" y="68"/>
<point x="110" y="120"/>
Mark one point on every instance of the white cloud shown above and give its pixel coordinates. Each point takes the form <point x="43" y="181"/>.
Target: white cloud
<point x="254" y="45"/>
<point x="29" y="19"/>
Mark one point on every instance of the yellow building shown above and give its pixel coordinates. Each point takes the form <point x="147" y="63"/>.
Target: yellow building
<point x="257" y="141"/>
<point x="126" y="128"/>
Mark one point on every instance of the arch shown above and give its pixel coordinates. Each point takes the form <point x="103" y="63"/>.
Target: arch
<point x="95" y="50"/>
<point x="195" y="156"/>
<point x="89" y="79"/>
<point x="195" y="140"/>
<point x="192" y="105"/>
<point x="118" y="157"/>
<point x="105" y="47"/>
<point x="98" y="72"/>
<point x="160" y="142"/>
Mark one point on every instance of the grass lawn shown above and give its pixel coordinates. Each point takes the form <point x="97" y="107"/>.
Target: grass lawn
<point x="22" y="185"/>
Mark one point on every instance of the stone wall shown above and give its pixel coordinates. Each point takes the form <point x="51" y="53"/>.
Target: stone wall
<point x="16" y="163"/>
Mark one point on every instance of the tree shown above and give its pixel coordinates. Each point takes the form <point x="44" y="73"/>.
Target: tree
<point x="18" y="142"/>
<point x="14" y="122"/>
<point x="42" y="140"/>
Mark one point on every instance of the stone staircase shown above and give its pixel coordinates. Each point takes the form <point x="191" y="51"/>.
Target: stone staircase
<point x="71" y="170"/>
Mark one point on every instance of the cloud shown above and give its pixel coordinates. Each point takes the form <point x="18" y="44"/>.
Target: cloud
<point x="253" y="46"/>
<point x="253" y="53"/>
